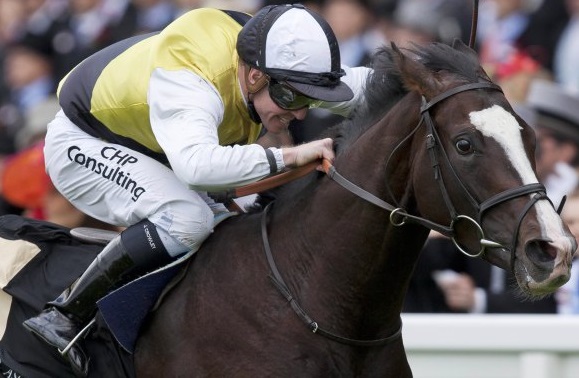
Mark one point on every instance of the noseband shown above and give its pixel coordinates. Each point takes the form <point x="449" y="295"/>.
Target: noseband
<point x="398" y="216"/>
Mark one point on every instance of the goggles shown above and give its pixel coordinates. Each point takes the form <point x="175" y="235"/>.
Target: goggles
<point x="288" y="99"/>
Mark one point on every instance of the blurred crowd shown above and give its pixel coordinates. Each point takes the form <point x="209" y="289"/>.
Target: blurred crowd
<point x="529" y="47"/>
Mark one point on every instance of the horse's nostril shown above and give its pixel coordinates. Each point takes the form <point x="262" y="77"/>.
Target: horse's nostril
<point x="541" y="251"/>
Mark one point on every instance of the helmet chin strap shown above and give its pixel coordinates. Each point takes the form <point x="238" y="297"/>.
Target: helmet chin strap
<point x="253" y="88"/>
<point x="252" y="112"/>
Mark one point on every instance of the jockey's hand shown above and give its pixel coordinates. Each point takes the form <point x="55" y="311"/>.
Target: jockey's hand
<point x="305" y="153"/>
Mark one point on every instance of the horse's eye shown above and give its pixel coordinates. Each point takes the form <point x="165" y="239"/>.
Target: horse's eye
<point x="463" y="146"/>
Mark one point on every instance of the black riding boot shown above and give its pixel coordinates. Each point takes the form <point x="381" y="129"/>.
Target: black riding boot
<point x="136" y="251"/>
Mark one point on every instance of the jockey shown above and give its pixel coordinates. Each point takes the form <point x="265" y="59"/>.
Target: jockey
<point x="151" y="123"/>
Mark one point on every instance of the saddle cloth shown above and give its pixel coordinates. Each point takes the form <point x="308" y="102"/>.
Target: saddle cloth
<point x="125" y="309"/>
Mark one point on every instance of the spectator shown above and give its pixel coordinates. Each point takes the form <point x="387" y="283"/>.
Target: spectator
<point x="540" y="36"/>
<point x="12" y="12"/>
<point x="35" y="121"/>
<point x="568" y="294"/>
<point x="567" y="51"/>
<point x="423" y="21"/>
<point x="555" y="116"/>
<point x="184" y="6"/>
<point x="247" y="6"/>
<point x="504" y="58"/>
<point x="10" y="121"/>
<point x="5" y="206"/>
<point x="24" y="181"/>
<point x="153" y="15"/>
<point x="501" y="23"/>
<point x="70" y="31"/>
<point x="28" y="72"/>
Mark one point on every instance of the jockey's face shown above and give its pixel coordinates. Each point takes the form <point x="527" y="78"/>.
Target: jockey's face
<point x="275" y="119"/>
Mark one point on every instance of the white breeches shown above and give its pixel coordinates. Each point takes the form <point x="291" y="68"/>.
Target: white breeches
<point x="120" y="186"/>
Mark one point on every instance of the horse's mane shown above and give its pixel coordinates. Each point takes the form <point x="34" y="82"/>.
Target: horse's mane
<point x="384" y="89"/>
<point x="385" y="86"/>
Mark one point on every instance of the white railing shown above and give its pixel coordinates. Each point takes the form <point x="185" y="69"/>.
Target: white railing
<point x="492" y="346"/>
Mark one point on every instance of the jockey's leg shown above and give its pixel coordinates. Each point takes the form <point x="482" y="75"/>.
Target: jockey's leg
<point x="117" y="185"/>
<point x="136" y="251"/>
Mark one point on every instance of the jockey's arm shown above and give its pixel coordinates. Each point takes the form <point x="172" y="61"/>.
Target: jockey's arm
<point x="185" y="112"/>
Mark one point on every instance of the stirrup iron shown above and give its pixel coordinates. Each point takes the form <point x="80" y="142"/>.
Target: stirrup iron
<point x="82" y="333"/>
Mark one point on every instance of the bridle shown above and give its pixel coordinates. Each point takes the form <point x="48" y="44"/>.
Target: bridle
<point x="399" y="216"/>
<point x="433" y="141"/>
<point x="436" y="152"/>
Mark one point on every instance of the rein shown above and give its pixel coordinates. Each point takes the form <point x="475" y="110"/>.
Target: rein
<point x="282" y="287"/>
<point x="265" y="184"/>
<point x="394" y="211"/>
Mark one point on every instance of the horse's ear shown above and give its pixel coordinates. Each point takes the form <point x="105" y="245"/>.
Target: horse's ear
<point x="415" y="76"/>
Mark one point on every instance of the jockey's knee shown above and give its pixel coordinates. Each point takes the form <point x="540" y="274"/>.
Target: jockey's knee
<point x="184" y="228"/>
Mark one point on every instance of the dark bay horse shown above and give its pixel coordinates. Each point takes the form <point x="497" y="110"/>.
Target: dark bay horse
<point x="439" y="147"/>
<point x="314" y="285"/>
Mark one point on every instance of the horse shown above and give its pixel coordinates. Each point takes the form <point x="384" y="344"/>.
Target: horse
<point x="313" y="284"/>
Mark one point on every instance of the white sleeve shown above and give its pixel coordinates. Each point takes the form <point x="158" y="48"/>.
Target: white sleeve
<point x="356" y="79"/>
<point x="185" y="113"/>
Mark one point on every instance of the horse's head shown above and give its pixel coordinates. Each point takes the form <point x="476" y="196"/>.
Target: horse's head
<point x="473" y="168"/>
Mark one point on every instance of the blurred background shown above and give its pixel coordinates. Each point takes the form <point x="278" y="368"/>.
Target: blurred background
<point x="529" y="47"/>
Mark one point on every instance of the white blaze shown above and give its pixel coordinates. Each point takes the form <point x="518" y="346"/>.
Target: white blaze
<point x="500" y="125"/>
<point x="497" y="123"/>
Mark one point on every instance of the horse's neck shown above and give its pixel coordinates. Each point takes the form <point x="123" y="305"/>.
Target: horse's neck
<point x="345" y="263"/>
<point x="339" y="253"/>
<point x="344" y="245"/>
